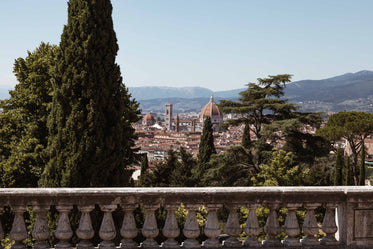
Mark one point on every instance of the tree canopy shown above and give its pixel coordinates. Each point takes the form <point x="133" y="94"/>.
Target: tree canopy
<point x="352" y="126"/>
<point x="271" y="118"/>
<point x="23" y="119"/>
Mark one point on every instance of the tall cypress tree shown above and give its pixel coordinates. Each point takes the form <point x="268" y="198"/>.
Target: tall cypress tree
<point x="246" y="139"/>
<point x="206" y="145"/>
<point x="338" y="178"/>
<point x="362" y="164"/>
<point x="349" y="176"/>
<point x="90" y="125"/>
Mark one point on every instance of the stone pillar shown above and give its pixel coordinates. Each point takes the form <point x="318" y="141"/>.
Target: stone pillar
<point x="291" y="226"/>
<point x="18" y="233"/>
<point x="107" y="229"/>
<point x="191" y="229"/>
<point x="63" y="231"/>
<point x="128" y="230"/>
<point x="252" y="228"/>
<point x="329" y="226"/>
<point x="85" y="230"/>
<point x="150" y="229"/>
<point x="212" y="227"/>
<point x="41" y="231"/>
<point x="232" y="228"/>
<point x="272" y="226"/>
<point x="310" y="227"/>
<point x="171" y="229"/>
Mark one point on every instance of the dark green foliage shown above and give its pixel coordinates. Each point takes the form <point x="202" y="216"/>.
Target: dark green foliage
<point x="206" y="145"/>
<point x="304" y="146"/>
<point x="362" y="165"/>
<point x="184" y="174"/>
<point x="233" y="167"/>
<point x="23" y="119"/>
<point x="349" y="176"/>
<point x="145" y="175"/>
<point x="265" y="113"/>
<point x="321" y="171"/>
<point x="91" y="137"/>
<point x="246" y="139"/>
<point x="162" y="173"/>
<point x="260" y="103"/>
<point x="174" y="172"/>
<point x="352" y="126"/>
<point x="338" y="173"/>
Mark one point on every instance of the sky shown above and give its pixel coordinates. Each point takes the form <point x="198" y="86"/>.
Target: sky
<point x="217" y="44"/>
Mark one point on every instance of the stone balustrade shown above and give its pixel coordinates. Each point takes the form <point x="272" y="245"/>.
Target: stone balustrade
<point x="347" y="222"/>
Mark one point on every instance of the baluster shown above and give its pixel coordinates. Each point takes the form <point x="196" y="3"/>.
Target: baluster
<point x="272" y="226"/>
<point x="212" y="227"/>
<point x="291" y="226"/>
<point x="150" y="229"/>
<point x="232" y="228"/>
<point x="41" y="231"/>
<point x="107" y="229"/>
<point x="171" y="229"/>
<point x="85" y="230"/>
<point x="128" y="230"/>
<point x="1" y="232"/>
<point x="191" y="229"/>
<point x="18" y="233"/>
<point x="329" y="226"/>
<point x="63" y="231"/>
<point x="252" y="228"/>
<point x="310" y="227"/>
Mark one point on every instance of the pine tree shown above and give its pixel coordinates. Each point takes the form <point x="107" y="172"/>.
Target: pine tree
<point x="362" y="164"/>
<point x="206" y="145"/>
<point x="91" y="137"/>
<point x="338" y="179"/>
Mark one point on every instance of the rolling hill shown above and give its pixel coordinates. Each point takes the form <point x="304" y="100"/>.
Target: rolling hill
<point x="350" y="91"/>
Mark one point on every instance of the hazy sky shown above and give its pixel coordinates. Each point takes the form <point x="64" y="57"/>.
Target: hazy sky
<point x="218" y="44"/>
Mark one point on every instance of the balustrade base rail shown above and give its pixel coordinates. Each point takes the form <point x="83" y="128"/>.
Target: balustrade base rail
<point x="347" y="221"/>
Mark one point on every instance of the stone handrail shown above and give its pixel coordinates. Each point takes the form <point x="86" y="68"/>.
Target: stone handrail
<point x="348" y="219"/>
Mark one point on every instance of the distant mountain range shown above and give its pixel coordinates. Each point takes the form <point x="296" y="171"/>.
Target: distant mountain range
<point x="350" y="91"/>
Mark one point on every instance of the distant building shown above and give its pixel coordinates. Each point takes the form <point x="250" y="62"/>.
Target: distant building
<point x="212" y="110"/>
<point x="168" y="116"/>
<point x="148" y="120"/>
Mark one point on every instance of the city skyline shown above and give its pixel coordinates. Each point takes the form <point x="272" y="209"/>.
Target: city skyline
<point x="215" y="44"/>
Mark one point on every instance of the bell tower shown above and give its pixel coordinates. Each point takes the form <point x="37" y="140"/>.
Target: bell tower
<point x="168" y="116"/>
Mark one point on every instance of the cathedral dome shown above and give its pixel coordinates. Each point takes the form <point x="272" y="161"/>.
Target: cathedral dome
<point x="212" y="110"/>
<point x="148" y="119"/>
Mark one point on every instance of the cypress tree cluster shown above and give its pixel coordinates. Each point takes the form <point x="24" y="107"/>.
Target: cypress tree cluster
<point x="90" y="125"/>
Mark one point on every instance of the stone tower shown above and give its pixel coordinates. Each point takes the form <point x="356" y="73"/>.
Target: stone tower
<point x="168" y="116"/>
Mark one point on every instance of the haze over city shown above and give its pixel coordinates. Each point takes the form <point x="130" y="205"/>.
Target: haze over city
<point x="216" y="44"/>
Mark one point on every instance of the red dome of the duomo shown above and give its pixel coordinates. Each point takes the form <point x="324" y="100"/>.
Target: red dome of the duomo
<point x="211" y="110"/>
<point x="148" y="119"/>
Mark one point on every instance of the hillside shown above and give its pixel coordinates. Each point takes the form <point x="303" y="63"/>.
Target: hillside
<point x="351" y="91"/>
